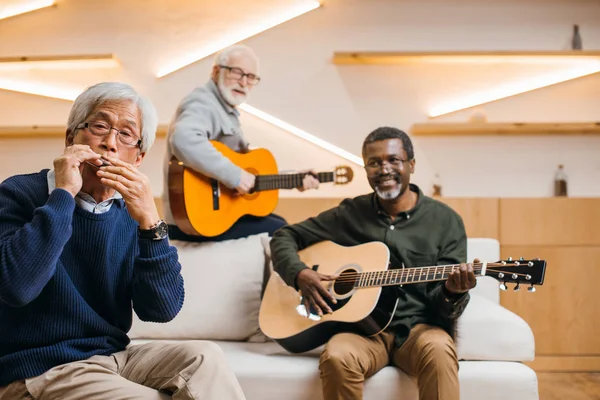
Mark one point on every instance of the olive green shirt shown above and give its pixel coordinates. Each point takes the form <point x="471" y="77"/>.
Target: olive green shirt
<point x="429" y="234"/>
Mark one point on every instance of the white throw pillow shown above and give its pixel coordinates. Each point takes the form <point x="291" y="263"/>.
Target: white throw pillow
<point x="223" y="283"/>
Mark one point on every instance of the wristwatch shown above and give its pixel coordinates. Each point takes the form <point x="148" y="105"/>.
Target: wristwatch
<point x="157" y="232"/>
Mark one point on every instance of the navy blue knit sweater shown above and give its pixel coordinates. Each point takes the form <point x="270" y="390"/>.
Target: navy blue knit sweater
<point x="69" y="278"/>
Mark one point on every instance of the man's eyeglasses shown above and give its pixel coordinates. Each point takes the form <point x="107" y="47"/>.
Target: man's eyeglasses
<point x="377" y="164"/>
<point x="237" y="73"/>
<point x="102" y="129"/>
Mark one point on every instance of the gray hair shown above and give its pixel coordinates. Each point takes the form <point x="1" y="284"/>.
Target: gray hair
<point x="100" y="93"/>
<point x="222" y="57"/>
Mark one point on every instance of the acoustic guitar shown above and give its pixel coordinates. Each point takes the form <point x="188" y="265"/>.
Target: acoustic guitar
<point x="203" y="206"/>
<point x="361" y="306"/>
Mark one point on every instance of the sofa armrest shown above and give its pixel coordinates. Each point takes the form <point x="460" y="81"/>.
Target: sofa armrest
<point x="487" y="331"/>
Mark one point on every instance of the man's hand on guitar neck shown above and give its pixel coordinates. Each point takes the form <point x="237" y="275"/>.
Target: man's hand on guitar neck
<point x="462" y="279"/>
<point x="310" y="181"/>
<point x="309" y="283"/>
<point x="246" y="184"/>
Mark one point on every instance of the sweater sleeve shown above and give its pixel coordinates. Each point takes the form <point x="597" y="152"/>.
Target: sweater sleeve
<point x="288" y="240"/>
<point x="190" y="143"/>
<point x="453" y="251"/>
<point x="158" y="290"/>
<point x="31" y="241"/>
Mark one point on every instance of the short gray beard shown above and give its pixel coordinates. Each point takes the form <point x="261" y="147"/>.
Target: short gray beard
<point x="226" y="92"/>
<point x="390" y="194"/>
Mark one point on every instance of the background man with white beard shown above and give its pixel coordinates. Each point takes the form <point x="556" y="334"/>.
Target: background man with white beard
<point x="209" y="113"/>
<point x="419" y="231"/>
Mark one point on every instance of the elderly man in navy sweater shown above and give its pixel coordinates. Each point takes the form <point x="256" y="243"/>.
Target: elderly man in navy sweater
<point x="81" y="245"/>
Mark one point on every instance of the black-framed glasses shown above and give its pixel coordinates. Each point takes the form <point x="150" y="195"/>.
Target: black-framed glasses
<point x="377" y="164"/>
<point x="101" y="129"/>
<point x="239" y="74"/>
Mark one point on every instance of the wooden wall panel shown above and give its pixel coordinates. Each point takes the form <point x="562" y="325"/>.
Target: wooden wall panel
<point x="563" y="312"/>
<point x="550" y="221"/>
<point x="295" y="210"/>
<point x="480" y="215"/>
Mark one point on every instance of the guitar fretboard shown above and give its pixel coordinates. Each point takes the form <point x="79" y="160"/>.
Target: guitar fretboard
<point x="287" y="181"/>
<point x="406" y="275"/>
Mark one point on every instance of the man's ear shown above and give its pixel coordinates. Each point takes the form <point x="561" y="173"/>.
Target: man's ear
<point x="412" y="166"/>
<point x="215" y="73"/>
<point x="139" y="158"/>
<point x="68" y="139"/>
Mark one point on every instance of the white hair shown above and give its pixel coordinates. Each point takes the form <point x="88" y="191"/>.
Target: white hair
<point x="222" y="57"/>
<point x="96" y="95"/>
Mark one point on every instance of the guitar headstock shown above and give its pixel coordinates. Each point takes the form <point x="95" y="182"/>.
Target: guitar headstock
<point x="530" y="272"/>
<point x="342" y="175"/>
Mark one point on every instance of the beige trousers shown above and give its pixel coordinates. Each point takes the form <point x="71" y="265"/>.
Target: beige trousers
<point x="428" y="354"/>
<point x="185" y="370"/>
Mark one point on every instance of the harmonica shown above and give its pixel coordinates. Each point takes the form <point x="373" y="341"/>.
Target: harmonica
<point x="105" y="163"/>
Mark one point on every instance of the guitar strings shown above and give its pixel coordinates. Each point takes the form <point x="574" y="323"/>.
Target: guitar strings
<point x="267" y="182"/>
<point x="403" y="273"/>
<point x="406" y="273"/>
<point x="408" y="282"/>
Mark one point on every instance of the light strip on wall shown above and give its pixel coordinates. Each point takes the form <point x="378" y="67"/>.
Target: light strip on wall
<point x="512" y="89"/>
<point x="22" y="7"/>
<point x="71" y="94"/>
<point x="39" y="89"/>
<point x="302" y="134"/>
<point x="237" y="35"/>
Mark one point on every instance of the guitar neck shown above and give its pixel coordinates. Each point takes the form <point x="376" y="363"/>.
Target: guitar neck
<point x="287" y="181"/>
<point x="405" y="276"/>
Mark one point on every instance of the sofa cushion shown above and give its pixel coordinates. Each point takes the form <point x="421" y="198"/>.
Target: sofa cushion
<point x="223" y="282"/>
<point x="488" y="331"/>
<point x="267" y="372"/>
<point x="487" y="250"/>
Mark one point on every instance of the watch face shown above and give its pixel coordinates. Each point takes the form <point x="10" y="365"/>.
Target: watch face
<point x="162" y="230"/>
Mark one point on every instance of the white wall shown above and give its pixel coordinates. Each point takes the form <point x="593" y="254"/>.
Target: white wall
<point x="340" y="104"/>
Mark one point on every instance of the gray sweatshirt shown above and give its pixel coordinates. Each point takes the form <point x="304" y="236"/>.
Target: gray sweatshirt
<point x="203" y="115"/>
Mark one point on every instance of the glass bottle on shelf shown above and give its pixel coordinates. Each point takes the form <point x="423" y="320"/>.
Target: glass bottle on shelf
<point x="576" y="40"/>
<point x="560" y="181"/>
<point x="437" y="186"/>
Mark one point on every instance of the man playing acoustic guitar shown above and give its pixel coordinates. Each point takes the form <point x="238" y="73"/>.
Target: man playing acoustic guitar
<point x="210" y="113"/>
<point x="419" y="231"/>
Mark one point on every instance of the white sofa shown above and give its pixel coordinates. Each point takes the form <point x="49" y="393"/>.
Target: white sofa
<point x="223" y="284"/>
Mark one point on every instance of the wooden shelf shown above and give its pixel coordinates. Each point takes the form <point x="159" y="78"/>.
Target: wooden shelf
<point x="57" y="58"/>
<point x="48" y="131"/>
<point x="512" y="129"/>
<point x="366" y="57"/>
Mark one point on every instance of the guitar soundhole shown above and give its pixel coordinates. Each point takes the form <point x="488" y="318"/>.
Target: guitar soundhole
<point x="345" y="283"/>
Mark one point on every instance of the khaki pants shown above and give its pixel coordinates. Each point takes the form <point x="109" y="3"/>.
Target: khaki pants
<point x="186" y="370"/>
<point x="428" y="354"/>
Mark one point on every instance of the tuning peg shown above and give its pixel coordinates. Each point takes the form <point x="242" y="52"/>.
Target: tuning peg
<point x="509" y="259"/>
<point x="531" y="289"/>
<point x="521" y="259"/>
<point x="517" y="287"/>
<point x="503" y="286"/>
<point x="536" y="259"/>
